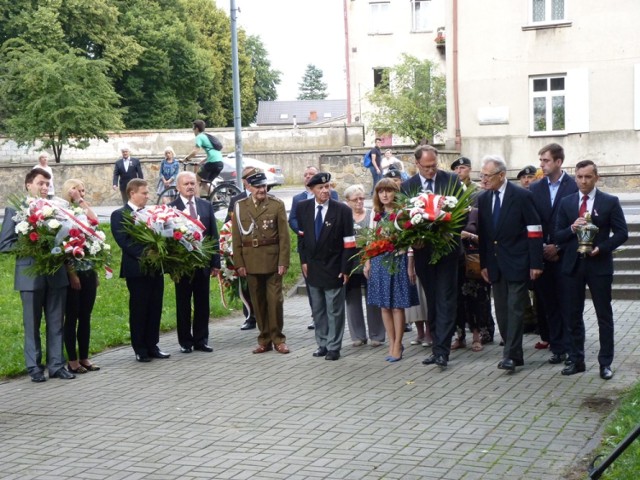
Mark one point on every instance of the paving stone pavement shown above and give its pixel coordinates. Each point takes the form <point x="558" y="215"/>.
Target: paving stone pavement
<point x="234" y="415"/>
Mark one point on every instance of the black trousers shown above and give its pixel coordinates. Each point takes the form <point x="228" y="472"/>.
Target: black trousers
<point x="145" y="311"/>
<point x="198" y="288"/>
<point x="440" y="284"/>
<point x="600" y="289"/>
<point x="550" y="295"/>
<point x="77" y="318"/>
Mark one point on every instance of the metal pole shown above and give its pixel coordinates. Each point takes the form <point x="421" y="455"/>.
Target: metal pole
<point x="595" y="473"/>
<point x="235" y="75"/>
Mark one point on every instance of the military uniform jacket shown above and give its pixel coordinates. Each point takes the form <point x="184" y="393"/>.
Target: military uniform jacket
<point x="260" y="235"/>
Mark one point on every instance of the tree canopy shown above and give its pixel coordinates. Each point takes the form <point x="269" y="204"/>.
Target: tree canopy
<point x="412" y="104"/>
<point x="312" y="87"/>
<point x="122" y="64"/>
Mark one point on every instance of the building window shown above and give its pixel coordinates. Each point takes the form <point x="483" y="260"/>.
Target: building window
<point x="381" y="79"/>
<point x="379" y="17"/>
<point x="420" y="15"/>
<point x="548" y="104"/>
<point x="547" y="11"/>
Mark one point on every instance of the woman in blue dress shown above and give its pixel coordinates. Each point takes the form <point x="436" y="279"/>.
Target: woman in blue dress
<point x="392" y="292"/>
<point x="169" y="169"/>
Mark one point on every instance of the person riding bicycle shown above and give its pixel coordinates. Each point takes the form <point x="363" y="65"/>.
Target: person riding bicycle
<point x="212" y="165"/>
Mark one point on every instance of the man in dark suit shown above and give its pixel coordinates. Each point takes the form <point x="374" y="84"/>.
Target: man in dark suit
<point x="594" y="268"/>
<point x="327" y="245"/>
<point x="308" y="173"/>
<point x="247" y="308"/>
<point x="547" y="194"/>
<point x="145" y="289"/>
<point x="510" y="238"/>
<point x="439" y="280"/>
<point x="261" y="250"/>
<point x="125" y="169"/>
<point x="41" y="293"/>
<point x="198" y="286"/>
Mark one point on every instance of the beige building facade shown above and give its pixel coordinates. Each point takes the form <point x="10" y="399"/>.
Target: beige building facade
<point x="520" y="73"/>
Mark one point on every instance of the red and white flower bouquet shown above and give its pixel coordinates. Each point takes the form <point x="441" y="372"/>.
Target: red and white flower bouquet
<point x="174" y="242"/>
<point x="53" y="234"/>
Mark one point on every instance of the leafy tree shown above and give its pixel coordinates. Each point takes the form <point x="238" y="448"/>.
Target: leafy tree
<point x="62" y="99"/>
<point x="267" y="79"/>
<point x="312" y="87"/>
<point x="413" y="104"/>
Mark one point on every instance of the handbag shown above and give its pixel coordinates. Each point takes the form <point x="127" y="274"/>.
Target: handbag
<point x="472" y="266"/>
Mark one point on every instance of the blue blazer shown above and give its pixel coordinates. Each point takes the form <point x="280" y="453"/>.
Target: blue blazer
<point x="542" y="201"/>
<point x="607" y="215"/>
<point x="507" y="250"/>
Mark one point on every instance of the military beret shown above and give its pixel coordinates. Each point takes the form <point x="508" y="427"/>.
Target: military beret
<point x="319" y="179"/>
<point x="461" y="161"/>
<point x="257" y="179"/>
<point x="393" y="173"/>
<point x="528" y="170"/>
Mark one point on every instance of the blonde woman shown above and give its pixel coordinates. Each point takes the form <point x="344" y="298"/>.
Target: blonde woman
<point x="81" y="294"/>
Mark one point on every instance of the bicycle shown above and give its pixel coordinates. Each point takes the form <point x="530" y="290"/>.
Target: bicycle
<point x="218" y="192"/>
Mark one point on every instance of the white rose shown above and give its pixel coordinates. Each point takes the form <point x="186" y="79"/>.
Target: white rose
<point x="22" y="227"/>
<point x="416" y="219"/>
<point x="47" y="211"/>
<point x="54" y="224"/>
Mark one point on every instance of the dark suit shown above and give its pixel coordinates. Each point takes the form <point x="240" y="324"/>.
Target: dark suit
<point x="554" y="327"/>
<point x="38" y="293"/>
<point x="124" y="176"/>
<point x="197" y="286"/>
<point x="509" y="251"/>
<point x="293" y="224"/>
<point x="439" y="280"/>
<point x="594" y="271"/>
<point x="145" y="290"/>
<point x="326" y="259"/>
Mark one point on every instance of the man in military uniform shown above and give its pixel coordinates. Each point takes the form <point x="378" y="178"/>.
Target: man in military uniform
<point x="260" y="236"/>
<point x="526" y="176"/>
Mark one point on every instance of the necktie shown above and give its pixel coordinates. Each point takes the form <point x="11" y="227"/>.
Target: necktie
<point x="192" y="209"/>
<point x="583" y="206"/>
<point x="318" y="222"/>
<point x="496" y="208"/>
<point x="428" y="185"/>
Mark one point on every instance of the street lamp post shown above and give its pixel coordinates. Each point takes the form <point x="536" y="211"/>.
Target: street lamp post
<point x="235" y="75"/>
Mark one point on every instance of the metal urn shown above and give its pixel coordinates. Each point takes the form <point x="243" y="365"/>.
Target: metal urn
<point x="586" y="234"/>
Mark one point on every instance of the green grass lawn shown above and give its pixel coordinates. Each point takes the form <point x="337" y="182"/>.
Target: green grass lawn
<point x="110" y="319"/>
<point x="624" y="420"/>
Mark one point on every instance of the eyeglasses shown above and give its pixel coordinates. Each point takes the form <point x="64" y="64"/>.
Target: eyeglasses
<point x="488" y="175"/>
<point x="357" y="199"/>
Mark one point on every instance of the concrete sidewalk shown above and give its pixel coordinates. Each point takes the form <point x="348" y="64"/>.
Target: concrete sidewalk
<point x="235" y="415"/>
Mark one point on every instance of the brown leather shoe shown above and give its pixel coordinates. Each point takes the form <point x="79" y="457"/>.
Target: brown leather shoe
<point x="263" y="348"/>
<point x="281" y="348"/>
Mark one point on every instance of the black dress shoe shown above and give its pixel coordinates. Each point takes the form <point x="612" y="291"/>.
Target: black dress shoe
<point x="407" y="327"/>
<point x="142" y="358"/>
<point x="332" y="355"/>
<point x="160" y="354"/>
<point x="203" y="348"/>
<point x="320" y="352"/>
<point x="507" y="364"/>
<point x="577" y="367"/>
<point x="186" y="349"/>
<point x="606" y="373"/>
<point x="38" y="377"/>
<point x="430" y="360"/>
<point x="557" y="358"/>
<point x="63" y="374"/>
<point x="441" y="361"/>
<point x="248" y="325"/>
<point x="311" y="326"/>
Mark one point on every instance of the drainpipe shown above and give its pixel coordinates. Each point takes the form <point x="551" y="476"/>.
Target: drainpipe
<point x="456" y="99"/>
<point x="346" y="59"/>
